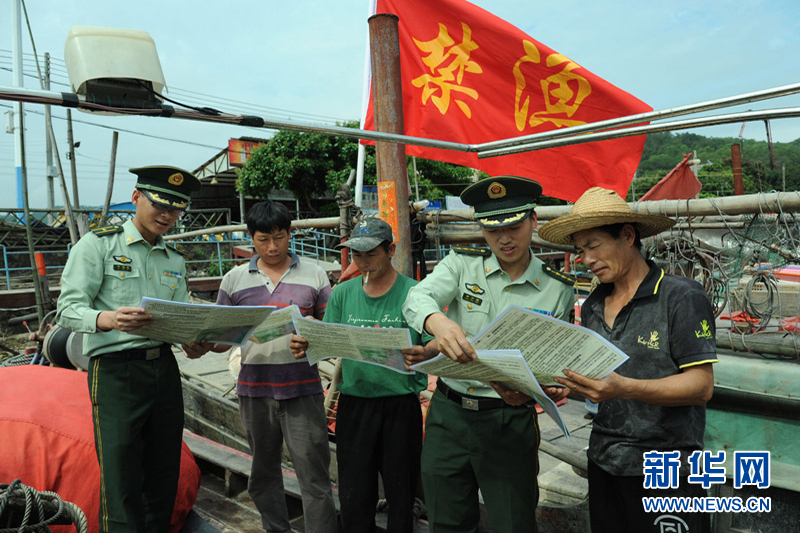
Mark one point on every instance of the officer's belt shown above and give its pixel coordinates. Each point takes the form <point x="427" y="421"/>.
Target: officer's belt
<point x="141" y="354"/>
<point x="471" y="403"/>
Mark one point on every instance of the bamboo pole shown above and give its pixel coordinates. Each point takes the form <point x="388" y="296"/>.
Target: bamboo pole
<point x="774" y="343"/>
<point x="747" y="204"/>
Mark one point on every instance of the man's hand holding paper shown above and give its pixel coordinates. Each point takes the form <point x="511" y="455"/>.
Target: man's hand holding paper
<point x="450" y="337"/>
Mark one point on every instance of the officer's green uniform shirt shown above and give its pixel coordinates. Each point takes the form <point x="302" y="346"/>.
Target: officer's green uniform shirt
<point x="475" y="290"/>
<point x="114" y="267"/>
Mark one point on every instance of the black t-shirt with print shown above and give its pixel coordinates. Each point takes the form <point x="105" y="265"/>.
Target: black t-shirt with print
<point x="667" y="326"/>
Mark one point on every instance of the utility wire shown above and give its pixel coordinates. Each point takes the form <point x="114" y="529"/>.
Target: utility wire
<point x="150" y="135"/>
<point x="219" y="100"/>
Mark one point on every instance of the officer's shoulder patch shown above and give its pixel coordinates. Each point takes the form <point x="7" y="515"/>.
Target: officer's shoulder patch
<point x="470" y="250"/>
<point x="563" y="277"/>
<point x="174" y="249"/>
<point x="107" y="230"/>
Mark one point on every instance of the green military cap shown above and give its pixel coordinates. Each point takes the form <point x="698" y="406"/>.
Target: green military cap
<point x="167" y="186"/>
<point x="502" y="200"/>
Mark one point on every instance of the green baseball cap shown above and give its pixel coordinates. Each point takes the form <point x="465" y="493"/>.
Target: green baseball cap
<point x="368" y="234"/>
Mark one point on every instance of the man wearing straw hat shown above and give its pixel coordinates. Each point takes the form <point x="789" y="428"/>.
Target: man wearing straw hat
<point x="481" y="437"/>
<point x="655" y="402"/>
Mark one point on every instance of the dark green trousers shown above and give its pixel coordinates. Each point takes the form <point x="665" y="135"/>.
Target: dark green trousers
<point x="494" y="450"/>
<point x="137" y="411"/>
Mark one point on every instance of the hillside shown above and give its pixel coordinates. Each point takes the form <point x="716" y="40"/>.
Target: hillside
<point x="662" y="151"/>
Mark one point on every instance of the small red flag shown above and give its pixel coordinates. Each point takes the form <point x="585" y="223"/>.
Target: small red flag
<point x="471" y="77"/>
<point x="679" y="184"/>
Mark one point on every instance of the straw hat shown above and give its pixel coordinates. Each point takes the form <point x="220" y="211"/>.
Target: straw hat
<point x="601" y="207"/>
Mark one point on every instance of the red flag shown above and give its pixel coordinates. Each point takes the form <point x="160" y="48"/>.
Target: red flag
<point x="471" y="77"/>
<point x="679" y="184"/>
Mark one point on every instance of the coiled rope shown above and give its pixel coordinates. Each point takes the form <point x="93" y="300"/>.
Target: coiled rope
<point x="763" y="310"/>
<point x="34" y="509"/>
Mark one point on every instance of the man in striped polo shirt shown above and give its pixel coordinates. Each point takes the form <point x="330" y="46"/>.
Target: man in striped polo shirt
<point x="280" y="398"/>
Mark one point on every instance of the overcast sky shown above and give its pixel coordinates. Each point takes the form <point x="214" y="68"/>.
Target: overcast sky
<point x="303" y="60"/>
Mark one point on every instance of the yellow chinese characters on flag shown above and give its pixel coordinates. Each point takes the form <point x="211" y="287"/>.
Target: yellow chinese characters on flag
<point x="470" y="77"/>
<point x="447" y="62"/>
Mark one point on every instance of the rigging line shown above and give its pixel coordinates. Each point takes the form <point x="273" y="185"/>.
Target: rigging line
<point x="125" y="130"/>
<point x="287" y="114"/>
<point x="250" y="104"/>
<point x="272" y="115"/>
<point x="33" y="43"/>
<point x="28" y="64"/>
<point x="9" y="52"/>
<point x="31" y="60"/>
<point x="34" y="76"/>
<point x="283" y="113"/>
<point x="213" y="98"/>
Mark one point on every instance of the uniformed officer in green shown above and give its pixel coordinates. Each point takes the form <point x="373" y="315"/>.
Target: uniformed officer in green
<point x="134" y="384"/>
<point x="477" y="436"/>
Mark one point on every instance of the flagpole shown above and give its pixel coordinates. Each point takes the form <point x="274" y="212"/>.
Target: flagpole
<point x="390" y="157"/>
<point x="367" y="78"/>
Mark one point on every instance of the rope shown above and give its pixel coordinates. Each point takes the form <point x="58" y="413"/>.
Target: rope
<point x="762" y="311"/>
<point x="17" y="360"/>
<point x="37" y="499"/>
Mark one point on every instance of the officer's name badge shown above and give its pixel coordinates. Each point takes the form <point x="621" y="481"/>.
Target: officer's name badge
<point x="173" y="274"/>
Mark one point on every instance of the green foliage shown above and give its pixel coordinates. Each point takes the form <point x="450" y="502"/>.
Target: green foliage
<point x="212" y="267"/>
<point x="717" y="180"/>
<point x="303" y="163"/>
<point x="436" y="179"/>
<point x="309" y="164"/>
<point x="662" y="151"/>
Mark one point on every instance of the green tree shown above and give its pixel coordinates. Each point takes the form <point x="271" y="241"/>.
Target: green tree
<point x="308" y="164"/>
<point x="437" y="179"/>
<point x="664" y="150"/>
<point x="717" y="180"/>
<point x="303" y="163"/>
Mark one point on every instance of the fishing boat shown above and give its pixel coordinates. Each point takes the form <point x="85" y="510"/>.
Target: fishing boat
<point x="755" y="404"/>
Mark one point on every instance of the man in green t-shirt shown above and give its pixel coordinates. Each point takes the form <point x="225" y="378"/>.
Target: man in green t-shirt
<point x="378" y="420"/>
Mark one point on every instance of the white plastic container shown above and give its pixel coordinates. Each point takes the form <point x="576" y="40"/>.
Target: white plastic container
<point x="94" y="53"/>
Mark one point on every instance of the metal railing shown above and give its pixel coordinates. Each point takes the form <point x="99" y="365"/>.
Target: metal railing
<point x="51" y="237"/>
<point x="206" y="256"/>
<point x="24" y="277"/>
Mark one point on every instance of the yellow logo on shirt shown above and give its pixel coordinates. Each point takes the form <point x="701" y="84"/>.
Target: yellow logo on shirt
<point x="704" y="333"/>
<point x="652" y="342"/>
